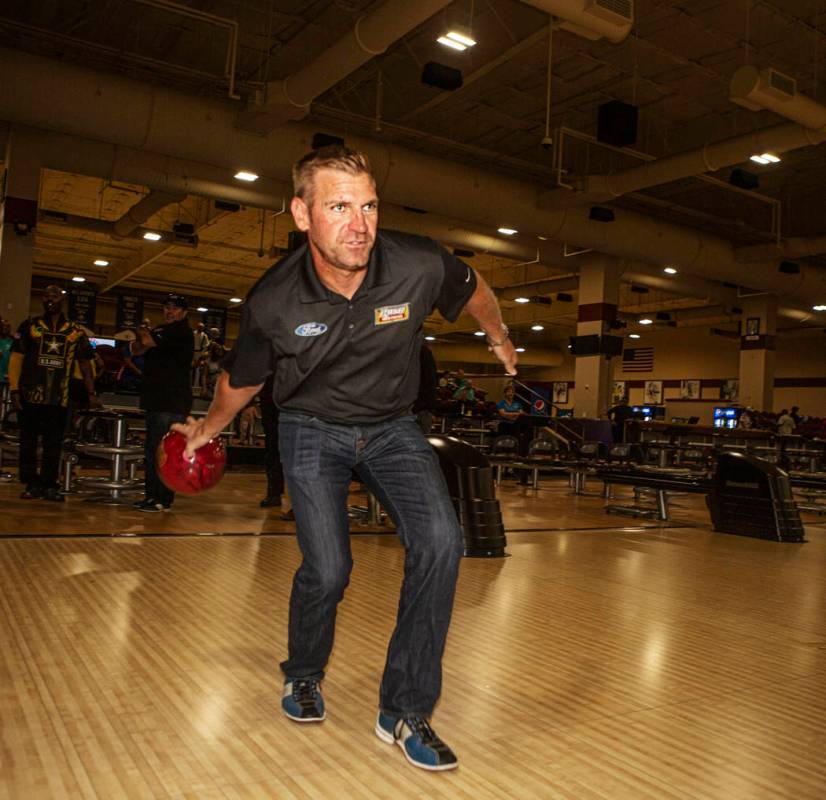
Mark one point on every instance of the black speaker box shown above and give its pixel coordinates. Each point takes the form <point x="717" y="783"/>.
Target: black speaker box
<point x="743" y="179"/>
<point x="441" y="76"/>
<point x="617" y="123"/>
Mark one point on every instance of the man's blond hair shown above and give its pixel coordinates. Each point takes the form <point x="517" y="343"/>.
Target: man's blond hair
<point x="334" y="156"/>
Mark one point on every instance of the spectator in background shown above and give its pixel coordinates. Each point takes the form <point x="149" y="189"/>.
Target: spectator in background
<point x="166" y="391"/>
<point x="795" y="415"/>
<point x="43" y="358"/>
<point x="200" y="343"/>
<point x="5" y="349"/>
<point x="211" y="369"/>
<point x="425" y="403"/>
<point x="509" y="410"/>
<point x="619" y="415"/>
<point x="785" y="423"/>
<point x="746" y="421"/>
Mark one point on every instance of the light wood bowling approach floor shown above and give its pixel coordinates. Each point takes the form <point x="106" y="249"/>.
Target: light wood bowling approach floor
<point x="605" y="658"/>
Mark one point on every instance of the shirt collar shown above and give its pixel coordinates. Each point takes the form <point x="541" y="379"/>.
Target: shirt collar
<point x="312" y="290"/>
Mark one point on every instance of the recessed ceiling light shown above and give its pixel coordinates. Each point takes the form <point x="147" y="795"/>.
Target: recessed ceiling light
<point x="202" y="309"/>
<point x="430" y="338"/>
<point x="450" y="43"/>
<point x="79" y="279"/>
<point x="236" y="300"/>
<point x="521" y="299"/>
<point x="479" y="333"/>
<point x="463" y="37"/>
<point x="508" y="231"/>
<point x="766" y="158"/>
<point x="670" y="270"/>
<point x="243" y="175"/>
<point x="520" y="349"/>
<point x="537" y="327"/>
<point x="818" y="308"/>
<point x="645" y="321"/>
<point x="101" y="262"/>
<point x="633" y="336"/>
<point x="151" y="236"/>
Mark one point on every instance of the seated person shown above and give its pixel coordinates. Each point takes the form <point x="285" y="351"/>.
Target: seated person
<point x="510" y="410"/>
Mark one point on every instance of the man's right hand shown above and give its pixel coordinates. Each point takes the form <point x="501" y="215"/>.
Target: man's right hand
<point x="195" y="434"/>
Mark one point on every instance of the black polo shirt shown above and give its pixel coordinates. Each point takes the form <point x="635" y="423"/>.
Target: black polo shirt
<point x="167" y="380"/>
<point x="350" y="361"/>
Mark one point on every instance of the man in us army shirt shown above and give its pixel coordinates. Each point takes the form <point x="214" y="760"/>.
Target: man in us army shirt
<point x="339" y="325"/>
<point x="42" y="362"/>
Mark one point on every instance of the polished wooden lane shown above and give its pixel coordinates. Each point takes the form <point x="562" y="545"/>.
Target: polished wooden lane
<point x="595" y="662"/>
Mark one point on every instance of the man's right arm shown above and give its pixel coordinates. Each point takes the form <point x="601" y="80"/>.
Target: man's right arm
<point x="226" y="403"/>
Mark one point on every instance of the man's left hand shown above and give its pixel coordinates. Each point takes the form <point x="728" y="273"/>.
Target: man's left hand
<point x="506" y="353"/>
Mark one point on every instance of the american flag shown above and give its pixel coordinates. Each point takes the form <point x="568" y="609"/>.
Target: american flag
<point x="638" y="359"/>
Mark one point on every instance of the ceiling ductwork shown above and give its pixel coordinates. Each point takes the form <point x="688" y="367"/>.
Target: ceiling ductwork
<point x="789" y="248"/>
<point x="592" y="19"/>
<point x="290" y="98"/>
<point x="473" y="353"/>
<point x="140" y="212"/>
<point x="157" y="119"/>
<point x="770" y="90"/>
<point x="539" y="288"/>
<point x="712" y="157"/>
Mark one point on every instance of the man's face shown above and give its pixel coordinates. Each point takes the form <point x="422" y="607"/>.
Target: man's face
<point x="52" y="299"/>
<point x="173" y="313"/>
<point x="341" y="223"/>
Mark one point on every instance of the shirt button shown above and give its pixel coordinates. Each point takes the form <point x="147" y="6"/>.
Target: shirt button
<point x="350" y="306"/>
<point x="351" y="325"/>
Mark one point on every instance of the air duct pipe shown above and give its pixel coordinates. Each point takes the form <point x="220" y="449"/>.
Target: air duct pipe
<point x="479" y="354"/>
<point x="710" y="158"/>
<point x="802" y="247"/>
<point x="116" y="109"/>
<point x="770" y="90"/>
<point x="290" y="98"/>
<point x="141" y="212"/>
<point x="593" y="19"/>
<point x="561" y="284"/>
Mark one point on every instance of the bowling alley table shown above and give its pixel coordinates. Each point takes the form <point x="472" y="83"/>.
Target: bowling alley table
<point x="123" y="457"/>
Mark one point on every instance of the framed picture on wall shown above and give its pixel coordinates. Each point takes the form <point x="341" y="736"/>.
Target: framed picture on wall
<point x="653" y="393"/>
<point x="560" y="393"/>
<point x="753" y="326"/>
<point x="730" y="390"/>
<point x="619" y="392"/>
<point x="690" y="390"/>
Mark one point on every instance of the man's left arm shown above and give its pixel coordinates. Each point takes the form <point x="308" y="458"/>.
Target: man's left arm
<point x="484" y="308"/>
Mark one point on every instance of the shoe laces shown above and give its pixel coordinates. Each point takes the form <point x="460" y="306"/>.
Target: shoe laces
<point x="305" y="689"/>
<point x="421" y="727"/>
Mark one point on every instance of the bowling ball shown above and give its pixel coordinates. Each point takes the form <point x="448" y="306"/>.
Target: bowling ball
<point x="190" y="475"/>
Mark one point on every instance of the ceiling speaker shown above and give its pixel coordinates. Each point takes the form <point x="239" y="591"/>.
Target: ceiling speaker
<point x="441" y="76"/>
<point x="617" y="123"/>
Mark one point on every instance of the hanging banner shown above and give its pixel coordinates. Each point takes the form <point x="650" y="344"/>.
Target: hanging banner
<point x="130" y="312"/>
<point x="82" y="306"/>
<point x="215" y="318"/>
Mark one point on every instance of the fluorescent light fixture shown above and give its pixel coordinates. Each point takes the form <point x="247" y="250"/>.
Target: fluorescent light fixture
<point x="520" y="349"/>
<point x="521" y="299"/>
<point x="766" y="158"/>
<point x="101" y="262"/>
<point x="450" y="43"/>
<point x="537" y="327"/>
<point x="645" y="321"/>
<point x="819" y="308"/>
<point x="202" y="309"/>
<point x="462" y="37"/>
<point x="243" y="175"/>
<point x="479" y="333"/>
<point x="79" y="279"/>
<point x="633" y="336"/>
<point x="430" y="338"/>
<point x="152" y="237"/>
<point x="670" y="270"/>
<point x="508" y="231"/>
<point x="236" y="300"/>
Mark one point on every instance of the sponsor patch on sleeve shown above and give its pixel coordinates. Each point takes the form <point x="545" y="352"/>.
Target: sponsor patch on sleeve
<point x="388" y="314"/>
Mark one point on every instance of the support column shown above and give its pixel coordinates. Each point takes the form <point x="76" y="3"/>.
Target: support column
<point x="598" y="296"/>
<point x="19" y="221"/>
<point x="757" y="352"/>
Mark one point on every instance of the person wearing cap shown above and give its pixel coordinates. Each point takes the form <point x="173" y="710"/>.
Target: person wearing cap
<point x="45" y="351"/>
<point x="166" y="389"/>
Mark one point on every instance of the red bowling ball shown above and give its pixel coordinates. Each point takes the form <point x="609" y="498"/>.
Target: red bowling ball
<point x="190" y="475"/>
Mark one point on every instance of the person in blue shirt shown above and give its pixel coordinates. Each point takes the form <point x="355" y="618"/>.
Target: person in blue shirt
<point x="509" y="410"/>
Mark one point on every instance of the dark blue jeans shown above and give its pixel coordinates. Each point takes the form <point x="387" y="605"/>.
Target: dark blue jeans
<point x="400" y="467"/>
<point x="157" y="426"/>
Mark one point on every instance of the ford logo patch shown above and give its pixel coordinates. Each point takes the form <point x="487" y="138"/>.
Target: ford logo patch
<point x="311" y="329"/>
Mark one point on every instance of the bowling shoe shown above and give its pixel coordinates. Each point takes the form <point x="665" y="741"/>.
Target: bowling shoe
<point x="302" y="700"/>
<point x="418" y="741"/>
